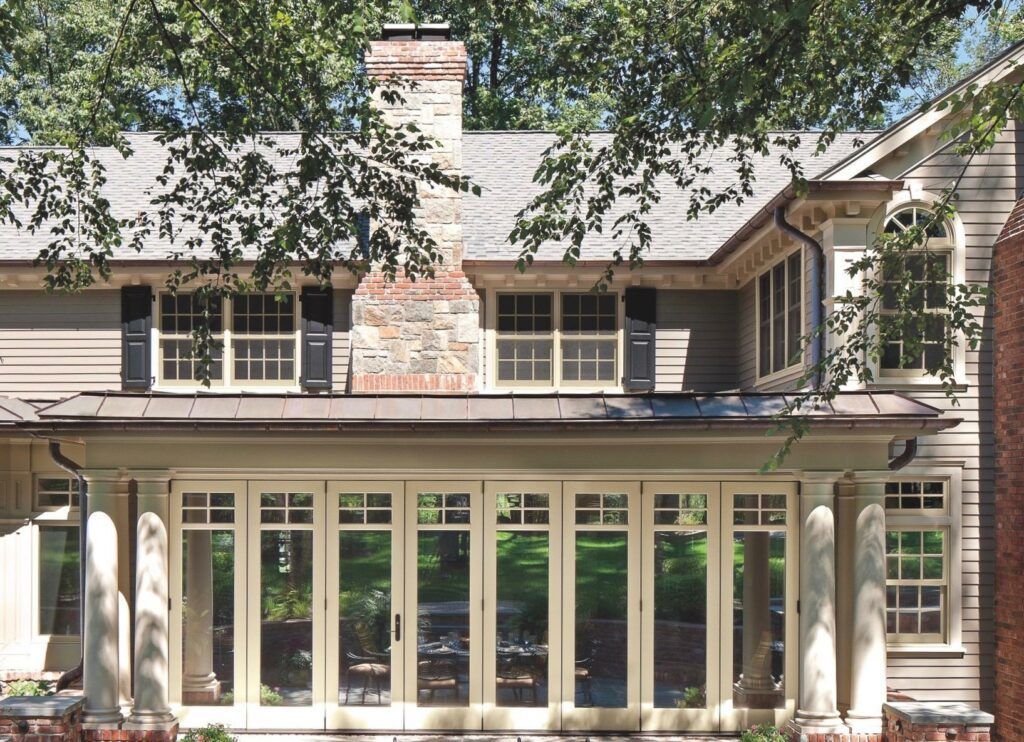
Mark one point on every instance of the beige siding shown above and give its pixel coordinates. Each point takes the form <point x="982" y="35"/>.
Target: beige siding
<point x="340" y="342"/>
<point x="696" y="341"/>
<point x="53" y="345"/>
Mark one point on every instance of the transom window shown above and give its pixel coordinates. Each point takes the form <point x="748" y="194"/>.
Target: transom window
<point x="434" y="508"/>
<point x="780" y="315"/>
<point x="56" y="492"/>
<point x="680" y="510"/>
<point x="208" y="507"/>
<point x="602" y="508"/>
<point x="915" y="495"/>
<point x="364" y="507"/>
<point x="286" y="507"/>
<point x="547" y="339"/>
<point x="753" y="510"/>
<point x="929" y="273"/>
<point x="522" y="508"/>
<point x="258" y="334"/>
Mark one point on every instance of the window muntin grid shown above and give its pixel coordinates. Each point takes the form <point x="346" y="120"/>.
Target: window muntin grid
<point x="258" y="335"/>
<point x="552" y="339"/>
<point x="436" y="508"/>
<point x="589" y="337"/>
<point x="602" y="509"/>
<point x="526" y="338"/>
<point x="680" y="509"/>
<point x="208" y="507"/>
<point x="180" y="314"/>
<point x="758" y="510"/>
<point x="915" y="496"/>
<point x="916" y="581"/>
<point x="780" y="315"/>
<point x="56" y="492"/>
<point x="523" y="508"/>
<point x="286" y="507"/>
<point x="364" y="507"/>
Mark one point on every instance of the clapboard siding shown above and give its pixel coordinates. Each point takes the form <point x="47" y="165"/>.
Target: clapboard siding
<point x="53" y="345"/>
<point x="696" y="341"/>
<point x="340" y="340"/>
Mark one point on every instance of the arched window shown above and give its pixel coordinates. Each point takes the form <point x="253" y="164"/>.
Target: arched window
<point x="930" y="269"/>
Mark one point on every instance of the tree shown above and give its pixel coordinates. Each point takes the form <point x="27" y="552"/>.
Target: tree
<point x="670" y="79"/>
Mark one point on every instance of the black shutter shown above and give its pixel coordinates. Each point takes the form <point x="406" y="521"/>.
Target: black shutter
<point x="136" y="327"/>
<point x="641" y="319"/>
<point x="317" y="328"/>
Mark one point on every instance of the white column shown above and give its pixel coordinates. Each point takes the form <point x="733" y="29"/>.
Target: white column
<point x="867" y="656"/>
<point x="199" y="683"/>
<point x="817" y="711"/>
<point x="102" y="624"/>
<point x="152" y="663"/>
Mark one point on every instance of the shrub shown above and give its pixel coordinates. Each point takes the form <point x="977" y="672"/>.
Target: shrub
<point x="268" y="697"/>
<point x="28" y="688"/>
<point x="763" y="733"/>
<point x="210" y="733"/>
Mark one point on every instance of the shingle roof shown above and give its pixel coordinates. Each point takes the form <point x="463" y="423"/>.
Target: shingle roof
<point x="502" y="164"/>
<point x="297" y="411"/>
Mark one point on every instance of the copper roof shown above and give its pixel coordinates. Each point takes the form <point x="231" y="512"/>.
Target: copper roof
<point x="156" y="410"/>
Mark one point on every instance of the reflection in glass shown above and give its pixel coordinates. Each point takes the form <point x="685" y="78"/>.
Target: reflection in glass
<point x="601" y="623"/>
<point x="208" y="610"/>
<point x="59" y="580"/>
<point x="759" y="619"/>
<point x="286" y="631"/>
<point x="680" y="619"/>
<point x="442" y="626"/>
<point x="364" y="613"/>
<point x="522" y="605"/>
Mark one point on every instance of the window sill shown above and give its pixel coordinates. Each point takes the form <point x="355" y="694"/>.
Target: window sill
<point x="936" y="651"/>
<point x="786" y="374"/>
<point x="912" y="384"/>
<point x="198" y="389"/>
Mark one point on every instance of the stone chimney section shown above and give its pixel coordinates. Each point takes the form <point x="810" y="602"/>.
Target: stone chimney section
<point x="421" y="335"/>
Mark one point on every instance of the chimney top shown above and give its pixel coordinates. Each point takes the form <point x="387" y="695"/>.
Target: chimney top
<point x="413" y="32"/>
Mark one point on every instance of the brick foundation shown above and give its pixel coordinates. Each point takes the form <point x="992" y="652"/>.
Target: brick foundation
<point x="130" y="735"/>
<point x="1008" y="270"/>
<point x="42" y="718"/>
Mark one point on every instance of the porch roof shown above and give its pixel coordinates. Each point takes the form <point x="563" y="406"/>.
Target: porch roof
<point x="15" y="410"/>
<point x="248" y="411"/>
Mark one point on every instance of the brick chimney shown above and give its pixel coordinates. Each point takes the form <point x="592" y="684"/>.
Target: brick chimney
<point x="422" y="335"/>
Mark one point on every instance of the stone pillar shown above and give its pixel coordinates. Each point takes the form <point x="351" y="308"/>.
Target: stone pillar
<point x="199" y="683"/>
<point x="756" y="687"/>
<point x="152" y="662"/>
<point x="422" y="335"/>
<point x="867" y="653"/>
<point x="817" y="711"/>
<point x="101" y="681"/>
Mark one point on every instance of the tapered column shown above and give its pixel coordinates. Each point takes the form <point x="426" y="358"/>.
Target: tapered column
<point x="102" y="624"/>
<point x="151" y="709"/>
<point x="817" y="709"/>
<point x="867" y="656"/>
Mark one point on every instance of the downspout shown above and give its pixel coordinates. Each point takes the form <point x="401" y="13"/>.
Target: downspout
<point x="816" y="288"/>
<point x="908" y="455"/>
<point x="75" y="470"/>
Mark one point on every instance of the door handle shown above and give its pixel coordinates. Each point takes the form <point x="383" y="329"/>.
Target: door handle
<point x="398" y="627"/>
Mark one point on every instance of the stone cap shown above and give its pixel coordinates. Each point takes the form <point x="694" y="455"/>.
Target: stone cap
<point x="40" y="707"/>
<point x="938" y="712"/>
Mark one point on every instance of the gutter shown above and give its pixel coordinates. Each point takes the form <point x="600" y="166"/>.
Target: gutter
<point x="75" y="470"/>
<point x="816" y="288"/>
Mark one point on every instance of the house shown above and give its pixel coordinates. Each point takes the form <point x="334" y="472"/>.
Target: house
<point x="494" y="500"/>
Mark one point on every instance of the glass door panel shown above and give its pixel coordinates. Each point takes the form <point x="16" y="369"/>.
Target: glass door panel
<point x="286" y="592"/>
<point x="207" y="559"/>
<point x="680" y="686"/>
<point x="522" y="602"/>
<point x="443" y="599"/>
<point x="364" y="639"/>
<point x="601" y="630"/>
<point x="759" y="633"/>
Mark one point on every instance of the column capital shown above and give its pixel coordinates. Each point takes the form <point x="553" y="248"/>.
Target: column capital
<point x="818" y="483"/>
<point x="151" y="482"/>
<point x="865" y="485"/>
<point x="111" y="482"/>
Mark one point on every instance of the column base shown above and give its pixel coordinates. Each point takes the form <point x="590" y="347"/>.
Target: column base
<point x="149" y="721"/>
<point x="768" y="697"/>
<point x="811" y="723"/>
<point x="864" y="723"/>
<point x="102" y="719"/>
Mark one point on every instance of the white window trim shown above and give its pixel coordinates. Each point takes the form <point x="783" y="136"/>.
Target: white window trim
<point x="951" y="522"/>
<point x="912" y="378"/>
<point x="51" y="518"/>
<point x="227" y="385"/>
<point x="50" y="512"/>
<point x="782" y="373"/>
<point x="491" y="325"/>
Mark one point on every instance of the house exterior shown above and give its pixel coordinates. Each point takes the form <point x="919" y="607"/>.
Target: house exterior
<point x="494" y="500"/>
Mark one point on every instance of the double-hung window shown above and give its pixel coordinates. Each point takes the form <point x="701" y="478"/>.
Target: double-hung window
<point x="257" y="334"/>
<point x="919" y="558"/>
<point x="556" y="339"/>
<point x="928" y="271"/>
<point x="780" y="315"/>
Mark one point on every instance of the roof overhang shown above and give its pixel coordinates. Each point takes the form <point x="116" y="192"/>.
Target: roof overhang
<point x="875" y="413"/>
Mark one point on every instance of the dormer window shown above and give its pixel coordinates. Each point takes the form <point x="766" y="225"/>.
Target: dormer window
<point x="556" y="339"/>
<point x="780" y="316"/>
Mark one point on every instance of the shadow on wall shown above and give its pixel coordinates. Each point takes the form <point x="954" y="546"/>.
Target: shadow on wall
<point x="698" y="340"/>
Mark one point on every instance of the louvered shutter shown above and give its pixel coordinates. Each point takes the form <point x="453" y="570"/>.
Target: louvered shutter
<point x="641" y="319"/>
<point x="136" y="331"/>
<point x="317" y="328"/>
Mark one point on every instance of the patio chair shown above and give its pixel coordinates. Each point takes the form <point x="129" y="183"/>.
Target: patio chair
<point x="434" y="674"/>
<point x="517" y="674"/>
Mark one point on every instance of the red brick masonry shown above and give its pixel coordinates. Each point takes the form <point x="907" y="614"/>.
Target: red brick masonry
<point x="1008" y="269"/>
